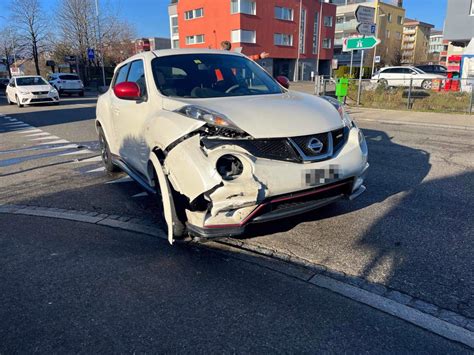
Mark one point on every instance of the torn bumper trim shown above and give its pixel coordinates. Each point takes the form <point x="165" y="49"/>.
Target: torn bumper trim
<point x="279" y="207"/>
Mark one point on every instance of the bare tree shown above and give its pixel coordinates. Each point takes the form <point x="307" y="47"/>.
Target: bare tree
<point x="78" y="24"/>
<point x="32" y="28"/>
<point x="8" y="45"/>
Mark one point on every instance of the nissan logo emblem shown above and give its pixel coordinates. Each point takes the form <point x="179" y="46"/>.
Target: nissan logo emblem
<point x="315" y="145"/>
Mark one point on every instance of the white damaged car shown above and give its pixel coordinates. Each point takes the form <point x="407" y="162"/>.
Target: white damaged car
<point x="224" y="144"/>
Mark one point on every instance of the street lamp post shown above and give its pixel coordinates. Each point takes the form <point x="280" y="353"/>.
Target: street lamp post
<point x="99" y="41"/>
<point x="316" y="76"/>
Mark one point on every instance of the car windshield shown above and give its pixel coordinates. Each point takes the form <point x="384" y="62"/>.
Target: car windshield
<point x="68" y="77"/>
<point x="211" y="75"/>
<point x="32" y="80"/>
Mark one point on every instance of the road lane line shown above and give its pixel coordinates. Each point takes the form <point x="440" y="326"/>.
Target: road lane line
<point x="37" y="134"/>
<point x="43" y="138"/>
<point x="59" y="141"/>
<point x="98" y="170"/>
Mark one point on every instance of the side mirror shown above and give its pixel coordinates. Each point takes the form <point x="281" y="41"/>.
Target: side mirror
<point x="283" y="81"/>
<point x="127" y="91"/>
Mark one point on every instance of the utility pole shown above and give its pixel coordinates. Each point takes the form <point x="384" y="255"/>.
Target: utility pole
<point x="377" y="36"/>
<point x="99" y="42"/>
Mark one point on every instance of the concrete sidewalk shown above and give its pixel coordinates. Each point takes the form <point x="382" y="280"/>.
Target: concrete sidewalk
<point x="432" y="119"/>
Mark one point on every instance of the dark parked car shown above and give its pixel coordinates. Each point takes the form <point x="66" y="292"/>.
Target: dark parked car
<point x="3" y="83"/>
<point x="434" y="69"/>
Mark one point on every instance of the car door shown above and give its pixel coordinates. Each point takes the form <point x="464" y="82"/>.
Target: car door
<point x="412" y="78"/>
<point x="129" y="118"/>
<point x="394" y="77"/>
<point x="11" y="90"/>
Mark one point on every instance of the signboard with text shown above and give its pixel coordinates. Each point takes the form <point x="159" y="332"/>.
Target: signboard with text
<point x="365" y="14"/>
<point x="359" y="43"/>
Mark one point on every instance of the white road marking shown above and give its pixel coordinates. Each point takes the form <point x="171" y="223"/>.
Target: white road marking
<point x="141" y="194"/>
<point x="43" y="138"/>
<point x="85" y="151"/>
<point x="29" y="130"/>
<point x="120" y="180"/>
<point x="67" y="146"/>
<point x="10" y="124"/>
<point x="90" y="160"/>
<point x="37" y="134"/>
<point x="59" y="141"/>
<point x="98" y="170"/>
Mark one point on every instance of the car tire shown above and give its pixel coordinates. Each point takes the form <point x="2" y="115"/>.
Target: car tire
<point x="18" y="102"/>
<point x="105" y="153"/>
<point x="426" y="84"/>
<point x="383" y="83"/>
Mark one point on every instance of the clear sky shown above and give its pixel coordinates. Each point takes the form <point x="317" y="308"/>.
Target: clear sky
<point x="150" y="17"/>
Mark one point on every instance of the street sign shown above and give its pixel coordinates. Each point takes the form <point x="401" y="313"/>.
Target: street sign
<point x="365" y="14"/>
<point x="362" y="43"/>
<point x="377" y="59"/>
<point x="366" y="29"/>
<point x="90" y="53"/>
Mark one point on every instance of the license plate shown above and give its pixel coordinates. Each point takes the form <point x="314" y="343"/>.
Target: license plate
<point x="315" y="177"/>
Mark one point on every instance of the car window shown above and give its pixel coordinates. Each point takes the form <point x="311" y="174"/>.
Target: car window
<point x="121" y="75"/>
<point x="68" y="77"/>
<point x="211" y="75"/>
<point x="29" y="81"/>
<point x="137" y="75"/>
<point x="441" y="69"/>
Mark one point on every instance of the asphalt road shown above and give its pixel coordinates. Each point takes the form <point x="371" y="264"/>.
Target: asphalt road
<point x="411" y="231"/>
<point x="69" y="287"/>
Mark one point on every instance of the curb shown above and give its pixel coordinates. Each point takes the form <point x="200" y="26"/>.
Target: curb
<point x="428" y="316"/>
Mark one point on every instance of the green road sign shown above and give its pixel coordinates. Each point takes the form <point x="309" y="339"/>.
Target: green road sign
<point x="362" y="42"/>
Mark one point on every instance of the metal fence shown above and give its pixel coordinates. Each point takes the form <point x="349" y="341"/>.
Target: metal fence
<point x="445" y="95"/>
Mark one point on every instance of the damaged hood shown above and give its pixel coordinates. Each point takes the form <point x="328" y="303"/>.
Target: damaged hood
<point x="289" y="114"/>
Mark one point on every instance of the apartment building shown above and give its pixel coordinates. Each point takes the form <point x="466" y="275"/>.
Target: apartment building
<point x="435" y="47"/>
<point x="389" y="17"/>
<point x="416" y="38"/>
<point x="292" y="31"/>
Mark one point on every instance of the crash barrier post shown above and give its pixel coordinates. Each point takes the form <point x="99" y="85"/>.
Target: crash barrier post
<point x="341" y="89"/>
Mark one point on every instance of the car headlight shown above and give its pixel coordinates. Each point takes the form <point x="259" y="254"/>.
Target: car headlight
<point x="53" y="91"/>
<point x="346" y="119"/>
<point x="210" y="117"/>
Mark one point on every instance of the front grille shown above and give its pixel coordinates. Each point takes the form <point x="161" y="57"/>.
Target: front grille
<point x="41" y="100"/>
<point x="39" y="92"/>
<point x="302" y="143"/>
<point x="293" y="149"/>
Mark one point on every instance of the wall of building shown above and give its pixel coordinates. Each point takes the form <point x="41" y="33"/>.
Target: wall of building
<point x="459" y="24"/>
<point x="218" y="23"/>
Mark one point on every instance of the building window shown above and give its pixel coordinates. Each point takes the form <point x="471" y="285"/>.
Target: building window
<point x="400" y="20"/>
<point x="243" y="36"/>
<point x="302" y="31"/>
<point x="175" y="43"/>
<point x="315" y="34"/>
<point x="328" y="21"/>
<point x="327" y="43"/>
<point x="196" y="13"/>
<point x="195" y="39"/>
<point x="248" y="7"/>
<point x="283" y="13"/>
<point x="174" y="25"/>
<point x="398" y="35"/>
<point x="389" y="17"/>
<point x="281" y="39"/>
<point x="387" y="33"/>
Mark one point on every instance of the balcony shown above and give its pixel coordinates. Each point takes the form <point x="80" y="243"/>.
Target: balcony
<point x="408" y="46"/>
<point x="409" y="39"/>
<point x="409" y="32"/>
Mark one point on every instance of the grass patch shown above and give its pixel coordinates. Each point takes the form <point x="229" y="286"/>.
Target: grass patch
<point x="396" y="99"/>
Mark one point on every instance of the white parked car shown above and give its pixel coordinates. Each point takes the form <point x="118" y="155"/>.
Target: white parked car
<point x="223" y="144"/>
<point x="401" y="76"/>
<point x="29" y="90"/>
<point x="67" y="83"/>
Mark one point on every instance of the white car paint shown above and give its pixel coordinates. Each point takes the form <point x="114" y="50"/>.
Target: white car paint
<point x="149" y="138"/>
<point x="66" y="83"/>
<point x="30" y="94"/>
<point x="402" y="75"/>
